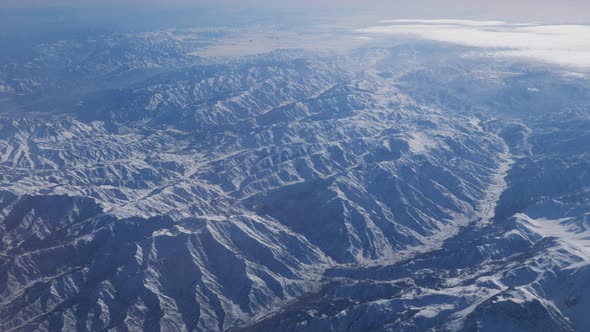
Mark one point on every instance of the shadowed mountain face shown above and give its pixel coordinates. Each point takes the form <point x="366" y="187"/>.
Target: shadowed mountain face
<point x="393" y="188"/>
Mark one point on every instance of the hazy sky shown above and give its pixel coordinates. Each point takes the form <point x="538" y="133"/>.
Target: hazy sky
<point x="561" y="11"/>
<point x="555" y="31"/>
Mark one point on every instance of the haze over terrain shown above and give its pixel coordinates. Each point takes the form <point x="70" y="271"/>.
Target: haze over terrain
<point x="340" y="166"/>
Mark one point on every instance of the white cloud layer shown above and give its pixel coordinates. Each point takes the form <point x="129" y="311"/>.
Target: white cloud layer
<point x="559" y="44"/>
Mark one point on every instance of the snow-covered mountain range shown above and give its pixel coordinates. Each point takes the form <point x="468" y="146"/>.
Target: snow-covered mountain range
<point x="410" y="186"/>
